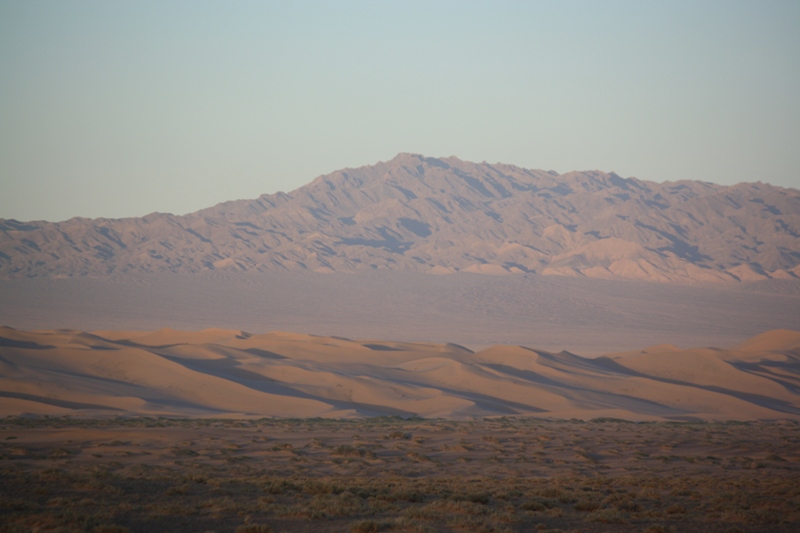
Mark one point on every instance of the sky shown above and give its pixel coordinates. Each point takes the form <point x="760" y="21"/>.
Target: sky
<point x="116" y="109"/>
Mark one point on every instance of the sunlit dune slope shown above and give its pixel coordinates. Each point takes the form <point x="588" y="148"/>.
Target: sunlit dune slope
<point x="780" y="339"/>
<point x="230" y="373"/>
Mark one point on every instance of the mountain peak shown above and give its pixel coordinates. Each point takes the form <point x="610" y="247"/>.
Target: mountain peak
<point x="404" y="157"/>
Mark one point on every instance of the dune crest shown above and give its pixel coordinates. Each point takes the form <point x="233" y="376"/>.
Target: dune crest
<point x="230" y="373"/>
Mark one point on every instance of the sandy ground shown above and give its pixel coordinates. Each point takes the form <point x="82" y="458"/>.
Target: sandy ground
<point x="382" y="474"/>
<point x="230" y="373"/>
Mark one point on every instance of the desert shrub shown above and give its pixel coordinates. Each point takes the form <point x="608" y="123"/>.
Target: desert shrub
<point x="474" y="497"/>
<point x="362" y="492"/>
<point x="412" y="496"/>
<point x="254" y="528"/>
<point x="606" y="516"/>
<point x="765" y="515"/>
<point x="649" y="494"/>
<point x="534" y="505"/>
<point x="279" y="486"/>
<point x="628" y="505"/>
<point x="197" y="478"/>
<point x="59" y="453"/>
<point x="369" y="526"/>
<point x="346" y="450"/>
<point x="111" y="528"/>
<point x="567" y="498"/>
<point x="585" y="505"/>
<point x="423" y="512"/>
<point x="418" y="457"/>
<point x="413" y="526"/>
<point x="449" y="508"/>
<point x="658" y="528"/>
<point x="480" y="497"/>
<point x="180" y="489"/>
<point x="318" y="487"/>
<point x="328" y="505"/>
<point x="550" y="492"/>
<point x="188" y="452"/>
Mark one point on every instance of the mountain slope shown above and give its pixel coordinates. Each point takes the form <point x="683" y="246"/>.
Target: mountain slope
<point x="439" y="216"/>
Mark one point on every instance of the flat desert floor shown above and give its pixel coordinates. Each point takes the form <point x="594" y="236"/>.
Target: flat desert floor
<point x="584" y="316"/>
<point x="388" y="474"/>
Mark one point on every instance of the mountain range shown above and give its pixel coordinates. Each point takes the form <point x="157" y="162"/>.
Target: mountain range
<point x="443" y="215"/>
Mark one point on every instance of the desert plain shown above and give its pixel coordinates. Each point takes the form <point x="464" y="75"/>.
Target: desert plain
<point x="223" y="430"/>
<point x="390" y="474"/>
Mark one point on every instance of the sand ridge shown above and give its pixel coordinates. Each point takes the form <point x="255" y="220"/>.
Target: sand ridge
<point x="232" y="373"/>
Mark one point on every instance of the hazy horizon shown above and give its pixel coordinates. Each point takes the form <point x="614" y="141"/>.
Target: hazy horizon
<point x="122" y="109"/>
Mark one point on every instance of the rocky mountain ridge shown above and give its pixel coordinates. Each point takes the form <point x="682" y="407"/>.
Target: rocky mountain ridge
<point x="442" y="215"/>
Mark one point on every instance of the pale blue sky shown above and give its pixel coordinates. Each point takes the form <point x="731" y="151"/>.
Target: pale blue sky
<point x="119" y="109"/>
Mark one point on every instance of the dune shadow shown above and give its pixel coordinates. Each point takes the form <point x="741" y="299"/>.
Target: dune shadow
<point x="749" y="368"/>
<point x="229" y="369"/>
<point x="149" y="347"/>
<point x="764" y="369"/>
<point x="483" y="401"/>
<point x="381" y="348"/>
<point x="265" y="353"/>
<point x="599" y="399"/>
<point x="55" y="402"/>
<point x="28" y="345"/>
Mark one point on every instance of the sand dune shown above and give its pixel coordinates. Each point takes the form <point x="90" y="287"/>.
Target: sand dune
<point x="781" y="339"/>
<point x="231" y="373"/>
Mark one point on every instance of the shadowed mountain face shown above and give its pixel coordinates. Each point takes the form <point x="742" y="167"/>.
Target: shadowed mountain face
<point x="441" y="216"/>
